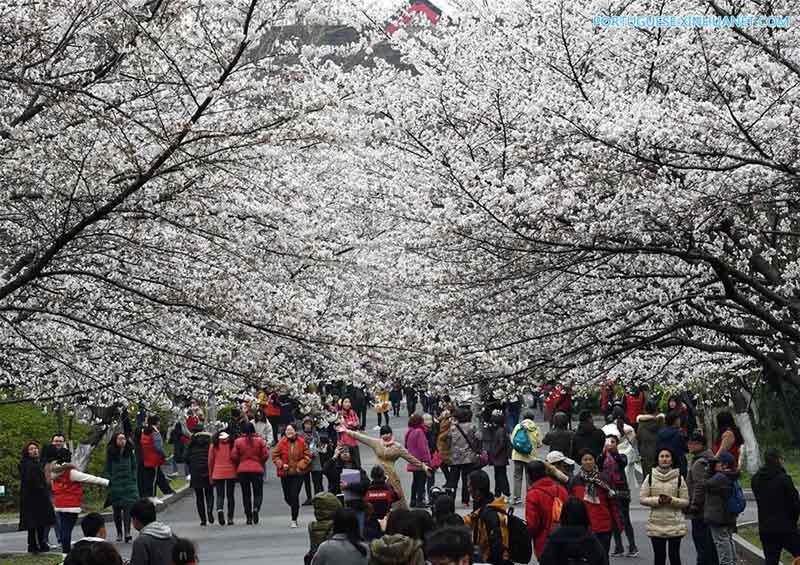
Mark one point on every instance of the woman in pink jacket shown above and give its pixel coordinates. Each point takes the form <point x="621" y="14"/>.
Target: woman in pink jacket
<point x="250" y="452"/>
<point x="417" y="445"/>
<point x="350" y="420"/>
<point x="222" y="472"/>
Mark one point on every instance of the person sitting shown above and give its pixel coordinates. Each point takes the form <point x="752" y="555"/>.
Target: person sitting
<point x="449" y="546"/>
<point x="184" y="552"/>
<point x="345" y="545"/>
<point x="154" y="544"/>
<point x="573" y="541"/>
<point x="93" y="526"/>
<point x="325" y="506"/>
<point x="489" y="521"/>
<point x="103" y="553"/>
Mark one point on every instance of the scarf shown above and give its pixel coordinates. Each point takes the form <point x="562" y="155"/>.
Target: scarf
<point x="592" y="481"/>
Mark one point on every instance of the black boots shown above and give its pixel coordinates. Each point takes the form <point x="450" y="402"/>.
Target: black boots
<point x="221" y="518"/>
<point x="255" y="516"/>
<point x="249" y="518"/>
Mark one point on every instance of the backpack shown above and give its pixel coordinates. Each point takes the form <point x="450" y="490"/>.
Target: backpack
<point x="519" y="547"/>
<point x="736" y="502"/>
<point x="521" y="442"/>
<point x="555" y="511"/>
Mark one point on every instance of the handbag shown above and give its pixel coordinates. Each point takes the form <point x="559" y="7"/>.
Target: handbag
<point x="483" y="455"/>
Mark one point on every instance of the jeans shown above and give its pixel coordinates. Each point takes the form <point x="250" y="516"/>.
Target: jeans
<point x="37" y="540"/>
<point x="291" y="486"/>
<point x="226" y="487"/>
<point x="519" y="468"/>
<point x="624" y="505"/>
<point x="384" y="416"/>
<point x="660" y="550"/>
<point x="252" y="492"/>
<point x="773" y="544"/>
<point x="703" y="545"/>
<point x="396" y="409"/>
<point x="204" y="498"/>
<point x="501" y="485"/>
<point x="418" y="483"/>
<point x="462" y="471"/>
<point x="66" y="521"/>
<point x="122" y="519"/>
<point x="723" y="542"/>
<point x="314" y="477"/>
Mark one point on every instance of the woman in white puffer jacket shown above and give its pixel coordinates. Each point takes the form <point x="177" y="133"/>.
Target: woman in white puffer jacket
<point x="666" y="493"/>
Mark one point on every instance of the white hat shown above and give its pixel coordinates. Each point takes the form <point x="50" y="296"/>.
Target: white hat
<point x="558" y="457"/>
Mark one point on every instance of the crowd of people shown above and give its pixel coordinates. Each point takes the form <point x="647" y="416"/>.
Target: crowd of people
<point x="576" y="499"/>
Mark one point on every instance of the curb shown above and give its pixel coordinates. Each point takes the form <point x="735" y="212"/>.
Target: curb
<point x="746" y="552"/>
<point x="166" y="501"/>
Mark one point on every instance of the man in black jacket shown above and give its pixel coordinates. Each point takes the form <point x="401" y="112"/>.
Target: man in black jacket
<point x="94" y="531"/>
<point x="778" y="508"/>
<point x="587" y="437"/>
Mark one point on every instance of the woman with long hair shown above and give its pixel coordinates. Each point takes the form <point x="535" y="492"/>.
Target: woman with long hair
<point x="223" y="474"/>
<point x="200" y="481"/>
<point x="36" y="512"/>
<point x="123" y="488"/>
<point x="728" y="437"/>
<point x="666" y="494"/>
<point x="416" y="442"/>
<point x="349" y="420"/>
<point x="345" y="547"/>
<point x="249" y="454"/>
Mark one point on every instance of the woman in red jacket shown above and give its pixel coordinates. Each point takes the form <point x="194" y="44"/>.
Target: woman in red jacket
<point x="223" y="475"/>
<point x="292" y="459"/>
<point x="592" y="488"/>
<point x="350" y="420"/>
<point x="249" y="453"/>
<point x="541" y="509"/>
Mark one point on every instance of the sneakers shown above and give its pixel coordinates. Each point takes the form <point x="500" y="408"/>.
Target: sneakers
<point x="307" y="502"/>
<point x="293" y="524"/>
<point x="517" y="500"/>
<point x="632" y="552"/>
<point x="376" y="428"/>
<point x="618" y="552"/>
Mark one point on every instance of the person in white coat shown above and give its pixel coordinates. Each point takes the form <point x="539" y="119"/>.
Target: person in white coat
<point x="627" y="443"/>
<point x="665" y="492"/>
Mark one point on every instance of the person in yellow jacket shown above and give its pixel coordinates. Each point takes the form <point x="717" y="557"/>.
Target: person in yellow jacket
<point x="382" y="406"/>
<point x="489" y="528"/>
<point x="665" y="492"/>
<point x="518" y="455"/>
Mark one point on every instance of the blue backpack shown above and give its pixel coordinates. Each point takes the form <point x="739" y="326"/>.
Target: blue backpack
<point x="736" y="502"/>
<point x="521" y="442"/>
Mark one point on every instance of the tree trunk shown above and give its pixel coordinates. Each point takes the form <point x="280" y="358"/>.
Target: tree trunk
<point x="750" y="455"/>
<point x="790" y="420"/>
<point x="751" y="402"/>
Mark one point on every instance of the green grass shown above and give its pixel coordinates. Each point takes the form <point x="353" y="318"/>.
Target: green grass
<point x="791" y="464"/>
<point x="93" y="499"/>
<point x="750" y="533"/>
<point x="27" y="559"/>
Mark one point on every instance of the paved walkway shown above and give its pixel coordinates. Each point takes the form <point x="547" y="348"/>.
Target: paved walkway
<point x="272" y="542"/>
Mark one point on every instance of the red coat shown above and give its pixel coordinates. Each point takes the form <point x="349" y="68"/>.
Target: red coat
<point x="249" y="456"/>
<point x="633" y="407"/>
<point x="150" y="457"/>
<point x="220" y="465"/>
<point x="66" y="492"/>
<point x="601" y="513"/>
<point x="539" y="510"/>
<point x="351" y="422"/>
<point x="292" y="453"/>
